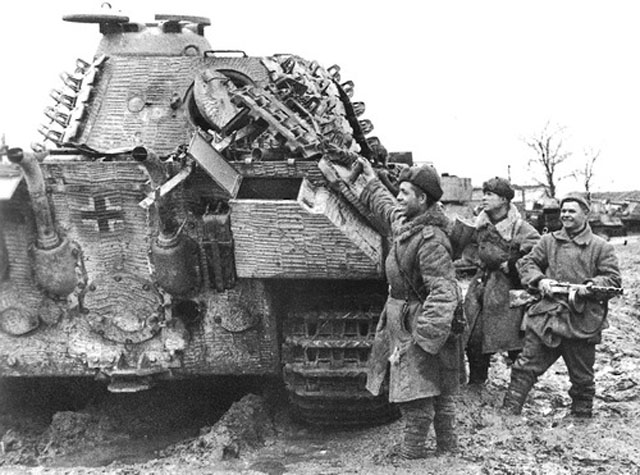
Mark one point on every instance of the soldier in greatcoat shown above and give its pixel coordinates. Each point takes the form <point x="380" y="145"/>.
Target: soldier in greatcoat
<point x="414" y="344"/>
<point x="554" y="328"/>
<point x="502" y="237"/>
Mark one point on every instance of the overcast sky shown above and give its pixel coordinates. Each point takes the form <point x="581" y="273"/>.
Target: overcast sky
<point x="458" y="83"/>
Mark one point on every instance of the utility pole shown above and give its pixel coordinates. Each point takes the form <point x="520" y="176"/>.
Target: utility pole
<point x="3" y="147"/>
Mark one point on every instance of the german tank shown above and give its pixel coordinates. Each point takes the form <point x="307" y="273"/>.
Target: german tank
<point x="182" y="217"/>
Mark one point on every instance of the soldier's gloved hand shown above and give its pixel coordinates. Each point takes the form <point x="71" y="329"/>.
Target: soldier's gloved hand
<point x="545" y="285"/>
<point x="398" y="351"/>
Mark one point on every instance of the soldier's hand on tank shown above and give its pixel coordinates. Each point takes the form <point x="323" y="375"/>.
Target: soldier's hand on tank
<point x="545" y="285"/>
<point x="367" y="170"/>
<point x="394" y="358"/>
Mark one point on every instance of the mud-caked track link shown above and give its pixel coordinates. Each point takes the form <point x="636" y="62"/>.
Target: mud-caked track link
<point x="299" y="110"/>
<point x="325" y="354"/>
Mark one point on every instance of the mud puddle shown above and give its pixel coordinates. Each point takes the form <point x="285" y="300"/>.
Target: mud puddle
<point x="124" y="452"/>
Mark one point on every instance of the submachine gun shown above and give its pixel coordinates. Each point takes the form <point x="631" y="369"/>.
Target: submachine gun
<point x="577" y="294"/>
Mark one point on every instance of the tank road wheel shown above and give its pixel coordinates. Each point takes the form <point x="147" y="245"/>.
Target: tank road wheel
<point x="325" y="354"/>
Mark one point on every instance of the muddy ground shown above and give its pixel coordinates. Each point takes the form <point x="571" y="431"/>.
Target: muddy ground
<point x="232" y="425"/>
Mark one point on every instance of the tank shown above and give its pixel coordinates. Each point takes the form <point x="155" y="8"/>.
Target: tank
<point x="180" y="219"/>
<point x="545" y="215"/>
<point x="605" y="221"/>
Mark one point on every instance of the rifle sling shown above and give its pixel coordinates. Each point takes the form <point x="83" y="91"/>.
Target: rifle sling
<point x="404" y="275"/>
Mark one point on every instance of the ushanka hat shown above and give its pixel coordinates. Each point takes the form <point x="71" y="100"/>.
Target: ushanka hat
<point x="424" y="177"/>
<point x="578" y="198"/>
<point x="500" y="187"/>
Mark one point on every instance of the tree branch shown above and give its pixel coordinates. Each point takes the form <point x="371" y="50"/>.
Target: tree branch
<point x="548" y="147"/>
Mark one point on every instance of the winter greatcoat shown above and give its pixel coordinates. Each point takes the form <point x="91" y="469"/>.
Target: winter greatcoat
<point x="578" y="260"/>
<point x="492" y="324"/>
<point x="415" y="325"/>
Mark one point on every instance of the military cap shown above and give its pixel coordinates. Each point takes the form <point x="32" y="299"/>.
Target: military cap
<point x="578" y="198"/>
<point x="499" y="186"/>
<point x="424" y="177"/>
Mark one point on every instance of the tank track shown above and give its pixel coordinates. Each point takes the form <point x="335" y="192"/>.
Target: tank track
<point x="325" y="354"/>
<point x="329" y="327"/>
<point x="301" y="111"/>
<point x="264" y="105"/>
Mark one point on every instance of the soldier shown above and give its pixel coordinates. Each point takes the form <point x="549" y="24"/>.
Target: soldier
<point x="574" y="255"/>
<point x="414" y="333"/>
<point x="502" y="237"/>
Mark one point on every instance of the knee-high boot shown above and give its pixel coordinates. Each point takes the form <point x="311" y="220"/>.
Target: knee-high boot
<point x="582" y="407"/>
<point x="417" y="416"/>
<point x="582" y="399"/>
<point x="444" y="423"/>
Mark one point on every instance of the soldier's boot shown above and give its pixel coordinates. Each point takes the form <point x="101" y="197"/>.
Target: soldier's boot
<point x="444" y="423"/>
<point x="519" y="387"/>
<point x="582" y="394"/>
<point x="417" y="416"/>
<point x="582" y="407"/>
<point x="478" y="367"/>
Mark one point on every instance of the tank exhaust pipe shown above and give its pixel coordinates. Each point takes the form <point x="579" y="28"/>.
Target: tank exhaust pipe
<point x="47" y="236"/>
<point x="140" y="154"/>
<point x="174" y="254"/>
<point x="54" y="259"/>
<point x="175" y="258"/>
<point x="151" y="163"/>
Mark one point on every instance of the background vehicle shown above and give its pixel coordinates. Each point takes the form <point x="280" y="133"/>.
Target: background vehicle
<point x="545" y="217"/>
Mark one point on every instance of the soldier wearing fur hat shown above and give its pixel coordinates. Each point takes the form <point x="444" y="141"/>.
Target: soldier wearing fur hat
<point x="502" y="237"/>
<point x="553" y="328"/>
<point x="415" y="345"/>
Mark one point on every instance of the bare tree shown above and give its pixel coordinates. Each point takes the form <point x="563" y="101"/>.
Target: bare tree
<point x="587" y="171"/>
<point x="549" y="154"/>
